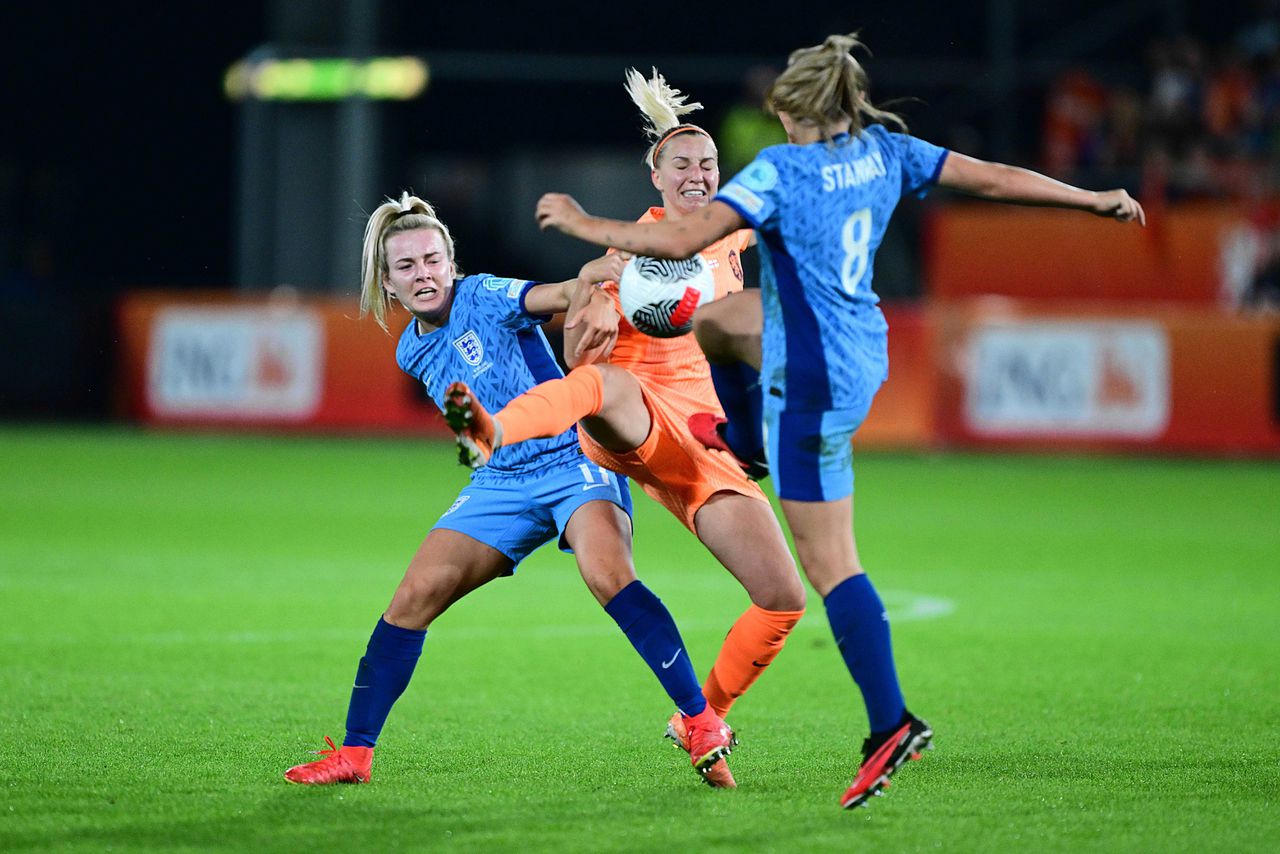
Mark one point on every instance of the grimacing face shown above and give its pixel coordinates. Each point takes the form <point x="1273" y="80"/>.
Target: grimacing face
<point x="687" y="173"/>
<point x="420" y="273"/>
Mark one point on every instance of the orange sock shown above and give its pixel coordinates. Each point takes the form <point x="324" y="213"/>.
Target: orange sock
<point x="754" y="641"/>
<point x="552" y="407"/>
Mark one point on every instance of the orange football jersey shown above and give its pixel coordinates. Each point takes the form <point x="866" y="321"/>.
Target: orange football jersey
<point x="679" y="360"/>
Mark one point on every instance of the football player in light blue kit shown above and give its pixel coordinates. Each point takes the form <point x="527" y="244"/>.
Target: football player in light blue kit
<point x="820" y="206"/>
<point x="484" y="330"/>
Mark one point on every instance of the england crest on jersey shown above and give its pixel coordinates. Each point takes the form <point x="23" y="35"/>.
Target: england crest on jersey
<point x="470" y="348"/>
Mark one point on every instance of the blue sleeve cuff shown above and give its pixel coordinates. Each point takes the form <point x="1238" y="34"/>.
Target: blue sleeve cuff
<point x="923" y="190"/>
<point x="524" y="292"/>
<point x="738" y="209"/>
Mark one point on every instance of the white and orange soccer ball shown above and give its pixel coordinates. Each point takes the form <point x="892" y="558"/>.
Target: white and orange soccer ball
<point x="659" y="296"/>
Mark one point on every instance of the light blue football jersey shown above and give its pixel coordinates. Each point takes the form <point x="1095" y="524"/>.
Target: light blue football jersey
<point x="820" y="211"/>
<point x="496" y="347"/>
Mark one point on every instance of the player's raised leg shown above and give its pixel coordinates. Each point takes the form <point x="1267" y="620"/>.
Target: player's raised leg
<point x="446" y="567"/>
<point x="549" y="409"/>
<point x="477" y="434"/>
<point x="728" y="331"/>
<point x="745" y="537"/>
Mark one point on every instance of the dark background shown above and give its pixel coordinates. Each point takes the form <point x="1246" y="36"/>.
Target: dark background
<point x="117" y="156"/>
<point x="119" y="141"/>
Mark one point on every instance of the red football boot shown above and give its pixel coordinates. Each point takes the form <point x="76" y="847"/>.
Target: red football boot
<point x="718" y="776"/>
<point x="708" y="429"/>
<point x="471" y="423"/>
<point x="882" y="759"/>
<point x="709" y="740"/>
<point x="344" y="764"/>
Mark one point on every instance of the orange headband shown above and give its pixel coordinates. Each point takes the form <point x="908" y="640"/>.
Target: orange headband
<point x="676" y="132"/>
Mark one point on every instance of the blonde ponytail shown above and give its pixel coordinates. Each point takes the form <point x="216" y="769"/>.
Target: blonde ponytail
<point x="662" y="106"/>
<point x="824" y="84"/>
<point x="391" y="217"/>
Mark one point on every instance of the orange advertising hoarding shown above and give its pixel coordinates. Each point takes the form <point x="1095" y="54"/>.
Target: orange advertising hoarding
<point x="986" y="372"/>
<point x="1070" y="375"/>
<point x="1047" y="254"/>
<point x="904" y="412"/>
<point x="279" y="363"/>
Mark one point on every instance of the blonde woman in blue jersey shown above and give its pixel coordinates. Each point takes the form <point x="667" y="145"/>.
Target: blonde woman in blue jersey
<point x="819" y="206"/>
<point x="485" y="330"/>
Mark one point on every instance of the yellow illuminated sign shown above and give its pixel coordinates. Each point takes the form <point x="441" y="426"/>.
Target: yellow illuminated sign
<point x="395" y="78"/>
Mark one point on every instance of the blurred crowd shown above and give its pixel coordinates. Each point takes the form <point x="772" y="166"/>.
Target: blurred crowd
<point x="1197" y="119"/>
<point x="1205" y="125"/>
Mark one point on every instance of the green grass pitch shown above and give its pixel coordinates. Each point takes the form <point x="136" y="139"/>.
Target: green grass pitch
<point x="1096" y="642"/>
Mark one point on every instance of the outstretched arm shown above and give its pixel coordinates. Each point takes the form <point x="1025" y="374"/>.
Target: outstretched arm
<point x="664" y="239"/>
<point x="1002" y="183"/>
<point x="592" y="325"/>
<point x="550" y="298"/>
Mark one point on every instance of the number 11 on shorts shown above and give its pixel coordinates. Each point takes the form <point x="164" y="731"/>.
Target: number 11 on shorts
<point x="589" y="474"/>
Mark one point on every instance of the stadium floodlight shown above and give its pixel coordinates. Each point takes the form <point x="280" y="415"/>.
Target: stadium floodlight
<point x="384" y="78"/>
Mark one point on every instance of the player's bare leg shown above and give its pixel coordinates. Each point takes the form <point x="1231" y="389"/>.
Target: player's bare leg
<point x="728" y="330"/>
<point x="623" y="422"/>
<point x="600" y="534"/>
<point x="823" y="534"/>
<point x="446" y="567"/>
<point x="744" y="535"/>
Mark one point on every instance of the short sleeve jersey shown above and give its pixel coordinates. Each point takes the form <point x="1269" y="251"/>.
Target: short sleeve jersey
<point x="821" y="211"/>
<point x="678" y="359"/>
<point x="496" y="347"/>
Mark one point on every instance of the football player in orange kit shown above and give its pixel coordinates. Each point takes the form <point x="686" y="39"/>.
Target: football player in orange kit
<point x="634" y="409"/>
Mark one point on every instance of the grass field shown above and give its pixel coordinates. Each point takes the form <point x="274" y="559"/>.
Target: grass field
<point x="1096" y="642"/>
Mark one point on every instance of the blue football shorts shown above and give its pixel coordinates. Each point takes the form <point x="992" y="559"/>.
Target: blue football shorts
<point x="810" y="455"/>
<point x="517" y="514"/>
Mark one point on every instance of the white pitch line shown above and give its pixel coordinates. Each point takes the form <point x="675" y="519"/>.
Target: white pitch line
<point x="903" y="607"/>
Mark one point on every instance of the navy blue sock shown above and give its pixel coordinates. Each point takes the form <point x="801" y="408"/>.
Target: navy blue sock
<point x="861" y="629"/>
<point x="738" y="387"/>
<point x="648" y="625"/>
<point x="380" y="680"/>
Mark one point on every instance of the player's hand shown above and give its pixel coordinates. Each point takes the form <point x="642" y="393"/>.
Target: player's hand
<point x="606" y="268"/>
<point x="1119" y="205"/>
<point x="598" y="320"/>
<point x="559" y="211"/>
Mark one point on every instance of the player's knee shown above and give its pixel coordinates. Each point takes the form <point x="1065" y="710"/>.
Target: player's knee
<point x="783" y="596"/>
<point x="605" y="582"/>
<point x="792" y="598"/>
<point x="727" y="331"/>
<point x="619" y="392"/>
<point x="827" y="571"/>
<point x="709" y="331"/>
<point x="420" y="599"/>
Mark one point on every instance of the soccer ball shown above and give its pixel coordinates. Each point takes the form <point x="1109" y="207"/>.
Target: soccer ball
<point x="659" y="296"/>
